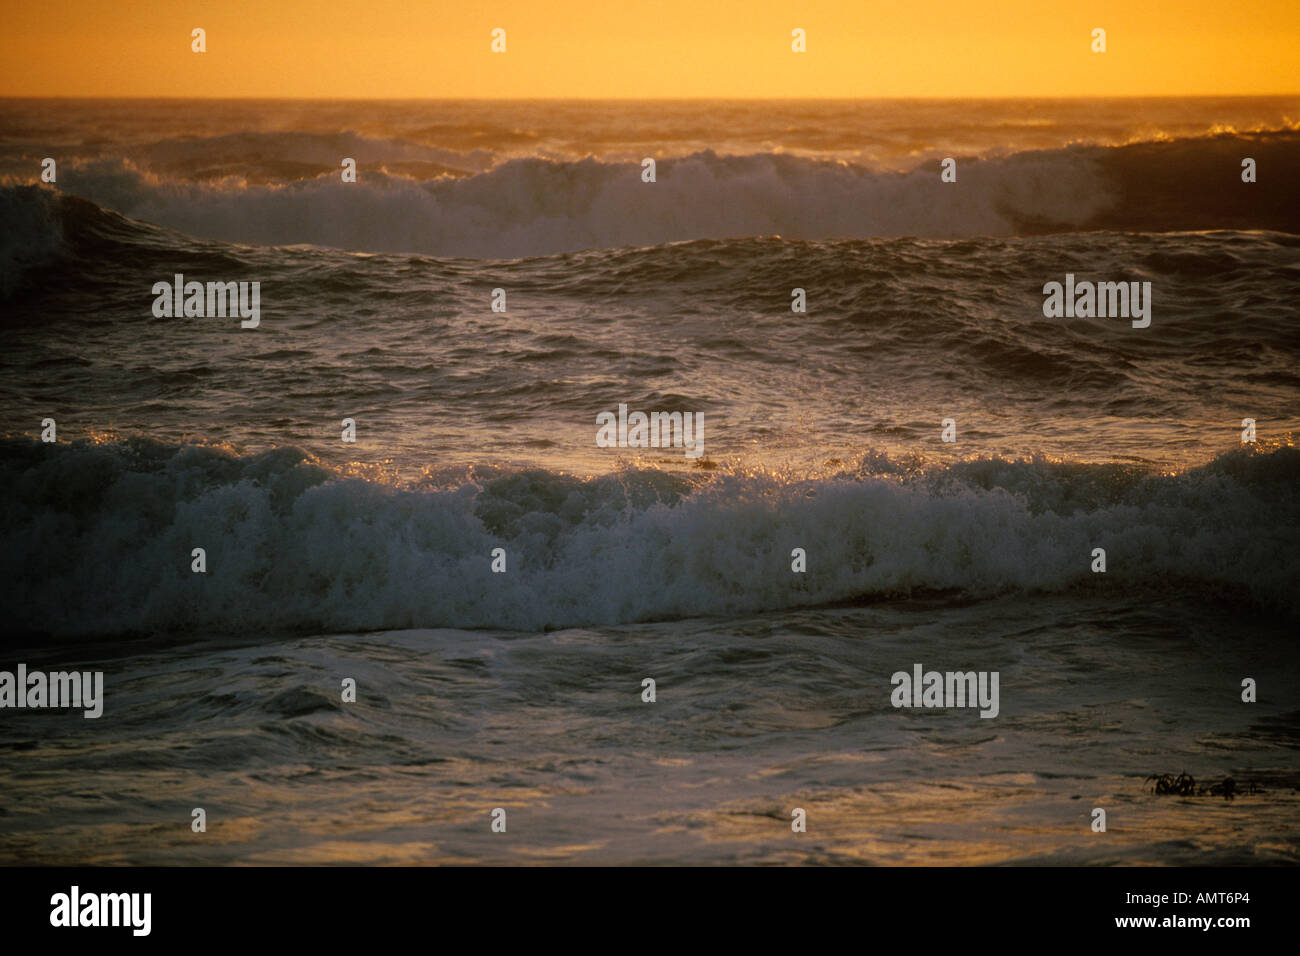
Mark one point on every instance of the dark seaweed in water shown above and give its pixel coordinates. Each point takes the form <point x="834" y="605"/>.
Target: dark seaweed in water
<point x="1184" y="785"/>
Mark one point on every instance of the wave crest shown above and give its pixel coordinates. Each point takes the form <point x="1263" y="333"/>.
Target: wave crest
<point x="97" y="539"/>
<point x="538" y="206"/>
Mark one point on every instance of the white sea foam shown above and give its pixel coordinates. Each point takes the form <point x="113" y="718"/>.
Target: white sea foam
<point x="97" y="538"/>
<point x="539" y="207"/>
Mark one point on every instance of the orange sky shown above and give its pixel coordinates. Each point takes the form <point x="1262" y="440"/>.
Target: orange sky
<point x="658" y="48"/>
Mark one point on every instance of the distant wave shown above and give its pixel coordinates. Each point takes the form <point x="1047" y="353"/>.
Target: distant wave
<point x="96" y="539"/>
<point x="537" y="206"/>
<point x="257" y="157"/>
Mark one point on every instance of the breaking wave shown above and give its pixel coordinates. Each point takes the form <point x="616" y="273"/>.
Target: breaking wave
<point x="97" y="539"/>
<point x="442" y="204"/>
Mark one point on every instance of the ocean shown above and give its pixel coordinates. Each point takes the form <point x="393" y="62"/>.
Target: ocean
<point x="499" y="585"/>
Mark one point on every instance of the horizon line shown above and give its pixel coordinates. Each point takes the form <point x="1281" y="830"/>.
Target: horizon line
<point x="657" y="99"/>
